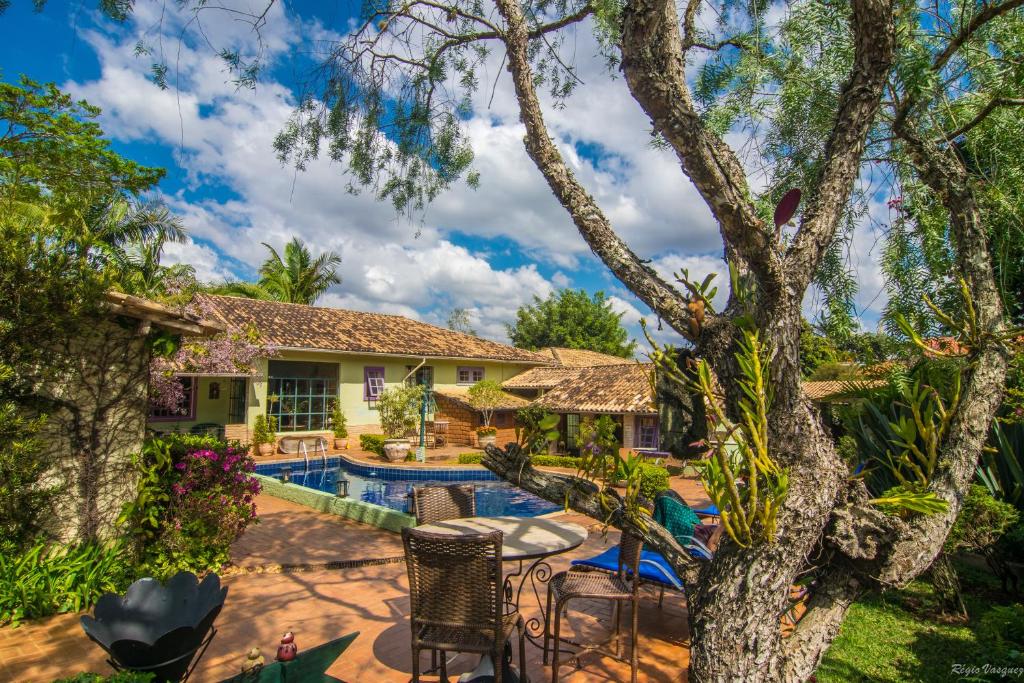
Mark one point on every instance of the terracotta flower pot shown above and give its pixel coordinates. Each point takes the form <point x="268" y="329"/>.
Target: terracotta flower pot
<point x="265" y="449"/>
<point x="340" y="444"/>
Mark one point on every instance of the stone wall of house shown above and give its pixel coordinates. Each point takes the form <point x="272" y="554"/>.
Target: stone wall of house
<point x="462" y="421"/>
<point x="96" y="421"/>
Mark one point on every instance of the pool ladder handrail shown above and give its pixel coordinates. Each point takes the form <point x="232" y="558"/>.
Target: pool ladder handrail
<point x="320" y="447"/>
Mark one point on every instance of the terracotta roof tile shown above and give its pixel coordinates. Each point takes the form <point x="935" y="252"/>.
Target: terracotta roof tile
<point x="623" y="388"/>
<point x="335" y="329"/>
<point x="820" y="391"/>
<point x="580" y="358"/>
<point x="509" y="401"/>
<point x="540" y="378"/>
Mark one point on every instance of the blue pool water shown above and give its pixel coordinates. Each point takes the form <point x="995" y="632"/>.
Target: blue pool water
<point x="390" y="486"/>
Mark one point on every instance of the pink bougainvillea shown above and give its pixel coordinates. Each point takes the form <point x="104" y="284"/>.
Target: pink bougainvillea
<point x="235" y="351"/>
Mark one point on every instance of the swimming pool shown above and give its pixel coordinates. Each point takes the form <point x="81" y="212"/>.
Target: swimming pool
<point x="390" y="486"/>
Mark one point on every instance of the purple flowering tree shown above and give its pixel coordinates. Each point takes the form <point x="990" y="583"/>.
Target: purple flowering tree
<point x="235" y="351"/>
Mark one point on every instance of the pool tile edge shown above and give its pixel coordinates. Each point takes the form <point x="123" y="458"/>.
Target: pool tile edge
<point x="356" y="510"/>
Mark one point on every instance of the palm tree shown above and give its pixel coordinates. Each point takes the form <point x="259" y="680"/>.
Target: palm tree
<point x="297" y="278"/>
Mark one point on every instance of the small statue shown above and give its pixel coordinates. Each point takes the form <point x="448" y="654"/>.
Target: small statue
<point x="287" y="650"/>
<point x="253" y="661"/>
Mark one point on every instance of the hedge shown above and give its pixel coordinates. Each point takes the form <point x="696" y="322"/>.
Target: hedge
<point x="653" y="480"/>
<point x="374" y="443"/>
<point x="538" y="460"/>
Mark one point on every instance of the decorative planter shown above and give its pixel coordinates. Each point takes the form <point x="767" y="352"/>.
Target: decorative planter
<point x="395" y="450"/>
<point x="158" y="627"/>
<point x="265" y="449"/>
<point x="340" y="444"/>
<point x="552" y="448"/>
<point x="485" y="440"/>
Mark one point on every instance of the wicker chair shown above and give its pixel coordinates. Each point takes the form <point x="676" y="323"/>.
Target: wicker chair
<point x="437" y="503"/>
<point x="455" y="587"/>
<point x="620" y="587"/>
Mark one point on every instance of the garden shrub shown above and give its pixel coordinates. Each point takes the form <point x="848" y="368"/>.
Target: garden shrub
<point x="50" y="578"/>
<point x="982" y="521"/>
<point x="537" y="460"/>
<point x="373" y="443"/>
<point x="398" y="409"/>
<point x="556" y="461"/>
<point x="196" y="496"/>
<point x="653" y="480"/>
<point x="25" y="501"/>
<point x="1001" y="634"/>
<point x="119" y="677"/>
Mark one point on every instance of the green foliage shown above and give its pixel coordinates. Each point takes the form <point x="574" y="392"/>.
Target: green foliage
<point x="263" y="430"/>
<point x="339" y="423"/>
<point x="47" y="578"/>
<point x="195" y="498"/>
<point x="538" y="460"/>
<point x="899" y="429"/>
<point x="119" y="677"/>
<point x="869" y="348"/>
<point x="485" y="396"/>
<point x="25" y="498"/>
<point x="535" y="427"/>
<point x="459" y="321"/>
<point x="653" y="480"/>
<point x="982" y="521"/>
<point x="372" y="443"/>
<point x="297" y="278"/>
<point x="1001" y="468"/>
<point x="1001" y="633"/>
<point x="53" y="150"/>
<point x="572" y="319"/>
<point x="398" y="409"/>
<point x="749" y="507"/>
<point x="836" y="371"/>
<point x="815" y="350"/>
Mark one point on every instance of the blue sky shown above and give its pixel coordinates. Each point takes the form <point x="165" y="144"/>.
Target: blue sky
<point x="487" y="250"/>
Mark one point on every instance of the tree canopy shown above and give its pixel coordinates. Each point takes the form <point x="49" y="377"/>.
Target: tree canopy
<point x="297" y="278"/>
<point x="572" y="319"/>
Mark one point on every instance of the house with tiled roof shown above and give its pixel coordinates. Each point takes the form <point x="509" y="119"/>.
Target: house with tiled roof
<point x="329" y="356"/>
<point x="585" y="384"/>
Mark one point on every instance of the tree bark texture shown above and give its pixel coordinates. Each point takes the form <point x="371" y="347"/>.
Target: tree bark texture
<point x="826" y="529"/>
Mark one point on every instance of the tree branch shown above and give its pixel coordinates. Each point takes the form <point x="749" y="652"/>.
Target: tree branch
<point x="982" y="115"/>
<point x="653" y="61"/>
<point x="580" y="495"/>
<point x="586" y="214"/>
<point x="875" y="45"/>
<point x="977" y="22"/>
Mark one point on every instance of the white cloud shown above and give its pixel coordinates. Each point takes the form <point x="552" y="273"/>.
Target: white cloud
<point x="237" y="194"/>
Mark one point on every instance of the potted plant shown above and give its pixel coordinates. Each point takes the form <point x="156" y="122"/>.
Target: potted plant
<point x="486" y="396"/>
<point x="485" y="436"/>
<point x="399" y="411"/>
<point x="339" y="425"/>
<point x="263" y="436"/>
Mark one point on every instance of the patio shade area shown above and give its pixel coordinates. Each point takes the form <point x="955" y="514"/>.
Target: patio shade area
<point x="321" y="577"/>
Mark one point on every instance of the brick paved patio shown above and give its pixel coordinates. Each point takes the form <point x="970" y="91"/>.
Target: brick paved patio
<point x="321" y="603"/>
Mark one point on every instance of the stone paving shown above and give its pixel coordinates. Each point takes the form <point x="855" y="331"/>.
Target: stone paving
<point x="319" y="602"/>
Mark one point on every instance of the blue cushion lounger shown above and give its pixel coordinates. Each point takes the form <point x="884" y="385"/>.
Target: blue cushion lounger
<point x="709" y="511"/>
<point x="653" y="567"/>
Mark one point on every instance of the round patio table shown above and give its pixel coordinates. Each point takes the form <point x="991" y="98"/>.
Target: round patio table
<point x="528" y="541"/>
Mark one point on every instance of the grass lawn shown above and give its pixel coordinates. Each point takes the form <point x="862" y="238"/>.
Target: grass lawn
<point x="897" y="637"/>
